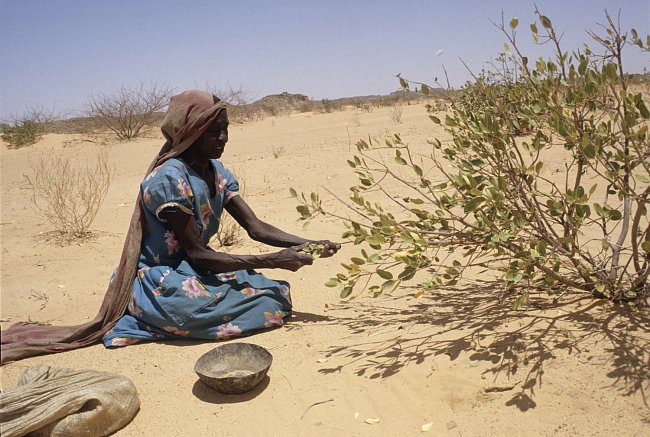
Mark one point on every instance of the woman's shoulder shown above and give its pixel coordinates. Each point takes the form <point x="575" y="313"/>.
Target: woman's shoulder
<point x="218" y="164"/>
<point x="222" y="169"/>
<point x="171" y="168"/>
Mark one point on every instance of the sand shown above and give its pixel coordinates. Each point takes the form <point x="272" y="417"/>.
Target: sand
<point x="456" y="362"/>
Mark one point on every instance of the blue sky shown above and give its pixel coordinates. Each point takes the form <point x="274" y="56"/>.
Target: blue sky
<point x="56" y="53"/>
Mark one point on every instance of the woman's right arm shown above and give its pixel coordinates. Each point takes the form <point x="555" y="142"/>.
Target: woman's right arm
<point x="188" y="235"/>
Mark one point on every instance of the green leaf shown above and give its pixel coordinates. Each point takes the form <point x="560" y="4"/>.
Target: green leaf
<point x="435" y="119"/>
<point x="513" y="23"/>
<point x="473" y="204"/>
<point x="425" y="89"/>
<point x="520" y="302"/>
<point x="293" y="192"/>
<point x="615" y="215"/>
<point x="643" y="109"/>
<point x="346" y="291"/>
<point x="384" y="274"/>
<point x="389" y="285"/>
<point x="582" y="68"/>
<point x="407" y="273"/>
<point x="400" y="160"/>
<point x="590" y="151"/>
<point x="646" y="246"/>
<point x="533" y="29"/>
<point x="358" y="261"/>
<point x="332" y="282"/>
<point x="545" y="21"/>
<point x="506" y="48"/>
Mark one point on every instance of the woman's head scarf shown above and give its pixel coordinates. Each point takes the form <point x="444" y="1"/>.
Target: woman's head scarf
<point x="189" y="115"/>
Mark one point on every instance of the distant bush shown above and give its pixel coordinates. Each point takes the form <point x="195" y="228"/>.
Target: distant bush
<point x="365" y="106"/>
<point x="270" y="110"/>
<point x="129" y="111"/>
<point x="69" y="196"/>
<point x="307" y="106"/>
<point x="396" y="112"/>
<point x="328" y="106"/>
<point x="22" y="134"/>
<point x="238" y="100"/>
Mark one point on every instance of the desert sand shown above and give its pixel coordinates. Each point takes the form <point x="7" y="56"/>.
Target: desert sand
<point x="457" y="361"/>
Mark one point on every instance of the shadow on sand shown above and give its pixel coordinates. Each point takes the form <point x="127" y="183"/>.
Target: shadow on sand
<point x="206" y="394"/>
<point x="473" y="321"/>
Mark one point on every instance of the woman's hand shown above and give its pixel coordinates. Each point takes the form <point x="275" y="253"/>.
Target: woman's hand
<point x="291" y="259"/>
<point x="319" y="248"/>
<point x="329" y="249"/>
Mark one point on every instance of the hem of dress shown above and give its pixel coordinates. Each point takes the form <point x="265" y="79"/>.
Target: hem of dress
<point x="182" y="207"/>
<point x="230" y="196"/>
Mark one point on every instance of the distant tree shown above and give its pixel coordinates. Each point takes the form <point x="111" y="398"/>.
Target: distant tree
<point x="128" y="111"/>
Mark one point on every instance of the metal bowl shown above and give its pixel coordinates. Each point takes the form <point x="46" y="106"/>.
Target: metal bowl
<point x="234" y="368"/>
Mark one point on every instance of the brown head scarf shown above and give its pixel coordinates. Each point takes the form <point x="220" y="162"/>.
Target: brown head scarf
<point x="189" y="115"/>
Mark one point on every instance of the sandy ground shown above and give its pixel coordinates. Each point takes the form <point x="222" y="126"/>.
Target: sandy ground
<point x="457" y="361"/>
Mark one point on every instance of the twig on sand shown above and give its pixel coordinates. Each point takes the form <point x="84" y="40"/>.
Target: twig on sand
<point x="499" y="388"/>
<point x="313" y="405"/>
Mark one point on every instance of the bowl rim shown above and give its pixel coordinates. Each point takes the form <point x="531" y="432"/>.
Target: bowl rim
<point x="265" y="353"/>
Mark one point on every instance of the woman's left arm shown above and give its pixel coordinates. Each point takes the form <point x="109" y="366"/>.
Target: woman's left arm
<point x="266" y="233"/>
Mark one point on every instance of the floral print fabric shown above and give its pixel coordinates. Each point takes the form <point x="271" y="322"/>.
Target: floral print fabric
<point x="172" y="300"/>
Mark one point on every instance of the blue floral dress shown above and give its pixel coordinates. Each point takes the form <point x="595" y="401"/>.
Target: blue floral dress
<point x="171" y="299"/>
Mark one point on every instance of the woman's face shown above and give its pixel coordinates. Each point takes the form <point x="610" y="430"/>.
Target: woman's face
<point x="213" y="141"/>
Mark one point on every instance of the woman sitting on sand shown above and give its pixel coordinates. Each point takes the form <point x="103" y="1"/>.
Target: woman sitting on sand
<point x="183" y="287"/>
<point x="170" y="284"/>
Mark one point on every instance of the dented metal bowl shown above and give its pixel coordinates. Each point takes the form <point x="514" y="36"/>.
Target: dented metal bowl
<point x="234" y="368"/>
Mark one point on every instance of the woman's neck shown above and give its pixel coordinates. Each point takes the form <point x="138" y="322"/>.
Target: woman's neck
<point x="201" y="166"/>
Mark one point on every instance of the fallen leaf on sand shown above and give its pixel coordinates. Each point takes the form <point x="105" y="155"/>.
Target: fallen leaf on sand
<point x="372" y="420"/>
<point x="427" y="427"/>
<point x="322" y="360"/>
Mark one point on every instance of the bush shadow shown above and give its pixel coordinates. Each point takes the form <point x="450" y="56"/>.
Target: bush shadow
<point x="472" y="321"/>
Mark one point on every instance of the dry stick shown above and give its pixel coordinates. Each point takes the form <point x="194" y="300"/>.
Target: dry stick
<point x="346" y="204"/>
<point x="390" y="172"/>
<point x="313" y="405"/>
<point x="349" y="140"/>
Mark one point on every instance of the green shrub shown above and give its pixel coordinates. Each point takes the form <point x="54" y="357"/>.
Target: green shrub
<point x="489" y="199"/>
<point x="22" y="134"/>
